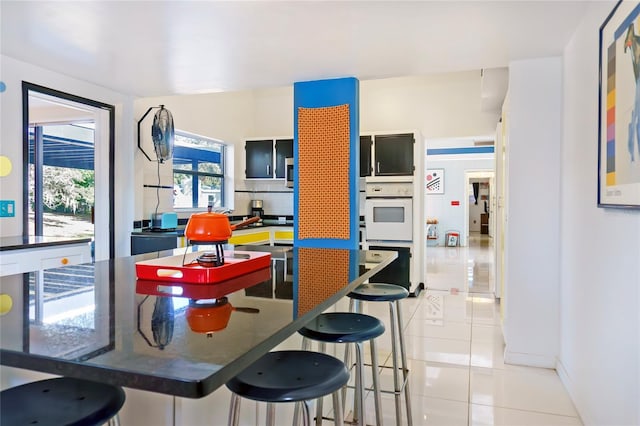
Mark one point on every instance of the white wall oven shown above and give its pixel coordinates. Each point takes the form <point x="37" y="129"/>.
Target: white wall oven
<point x="389" y="211"/>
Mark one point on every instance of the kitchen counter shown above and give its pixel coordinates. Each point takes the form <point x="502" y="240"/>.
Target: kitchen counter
<point x="26" y="254"/>
<point x="110" y="328"/>
<point x="31" y="242"/>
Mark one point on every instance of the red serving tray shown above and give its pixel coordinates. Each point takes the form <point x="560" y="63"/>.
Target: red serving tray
<point x="171" y="269"/>
<point x="199" y="291"/>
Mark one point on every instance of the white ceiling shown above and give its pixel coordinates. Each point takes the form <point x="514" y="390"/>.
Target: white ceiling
<point x="154" y="48"/>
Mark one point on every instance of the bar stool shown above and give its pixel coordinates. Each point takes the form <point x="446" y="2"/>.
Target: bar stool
<point x="61" y="401"/>
<point x="289" y="376"/>
<point x="350" y="327"/>
<point x="391" y="293"/>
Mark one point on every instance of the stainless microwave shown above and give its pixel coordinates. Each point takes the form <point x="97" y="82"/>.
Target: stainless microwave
<point x="288" y="172"/>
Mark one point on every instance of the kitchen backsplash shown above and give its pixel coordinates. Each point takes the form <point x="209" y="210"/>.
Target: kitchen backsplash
<point x="276" y="198"/>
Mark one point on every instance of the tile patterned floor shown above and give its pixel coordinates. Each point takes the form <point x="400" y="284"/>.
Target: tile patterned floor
<point x="455" y="353"/>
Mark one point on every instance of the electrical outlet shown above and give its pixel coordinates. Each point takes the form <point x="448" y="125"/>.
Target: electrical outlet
<point x="7" y="208"/>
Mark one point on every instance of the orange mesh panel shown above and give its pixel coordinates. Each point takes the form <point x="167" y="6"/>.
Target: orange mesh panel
<point x="321" y="273"/>
<point x="323" y="172"/>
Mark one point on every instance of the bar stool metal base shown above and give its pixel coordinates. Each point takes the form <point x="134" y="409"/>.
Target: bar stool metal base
<point x="391" y="293"/>
<point x="350" y="327"/>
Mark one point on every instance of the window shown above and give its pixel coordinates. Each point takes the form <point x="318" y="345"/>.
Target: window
<point x="198" y="171"/>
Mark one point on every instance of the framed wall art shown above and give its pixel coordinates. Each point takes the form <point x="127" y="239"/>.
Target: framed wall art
<point x="619" y="108"/>
<point x="435" y="181"/>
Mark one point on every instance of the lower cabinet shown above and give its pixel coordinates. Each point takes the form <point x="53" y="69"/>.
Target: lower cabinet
<point x="268" y="235"/>
<point x="144" y="243"/>
<point x="244" y="237"/>
<point x="397" y="272"/>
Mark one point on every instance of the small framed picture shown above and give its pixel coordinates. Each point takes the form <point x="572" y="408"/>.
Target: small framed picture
<point x="435" y="181"/>
<point x="452" y="240"/>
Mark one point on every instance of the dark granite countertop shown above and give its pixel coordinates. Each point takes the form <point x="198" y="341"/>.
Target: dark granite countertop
<point x="18" y="243"/>
<point x="113" y="328"/>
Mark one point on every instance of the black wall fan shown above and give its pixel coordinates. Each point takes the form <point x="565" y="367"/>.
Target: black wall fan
<point x="162" y="134"/>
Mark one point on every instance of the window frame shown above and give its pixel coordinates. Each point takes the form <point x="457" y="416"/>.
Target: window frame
<point x="195" y="174"/>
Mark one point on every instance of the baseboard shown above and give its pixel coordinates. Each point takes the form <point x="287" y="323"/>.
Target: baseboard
<point x="570" y="388"/>
<point x="529" y="360"/>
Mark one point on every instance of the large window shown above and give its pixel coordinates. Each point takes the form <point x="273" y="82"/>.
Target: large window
<point x="198" y="171"/>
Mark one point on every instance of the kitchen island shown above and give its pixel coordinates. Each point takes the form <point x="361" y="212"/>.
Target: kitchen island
<point x="168" y="337"/>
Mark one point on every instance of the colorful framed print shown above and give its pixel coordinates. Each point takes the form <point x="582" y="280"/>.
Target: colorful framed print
<point x="435" y="181"/>
<point x="619" y="109"/>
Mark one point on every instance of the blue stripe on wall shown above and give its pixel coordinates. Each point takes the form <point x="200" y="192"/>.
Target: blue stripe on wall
<point x="468" y="150"/>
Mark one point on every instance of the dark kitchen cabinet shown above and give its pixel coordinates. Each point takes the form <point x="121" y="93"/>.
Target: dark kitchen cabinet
<point x="397" y="272"/>
<point x="394" y="155"/>
<point x="366" y="142"/>
<point x="259" y="159"/>
<point x="284" y="150"/>
<point x="151" y="242"/>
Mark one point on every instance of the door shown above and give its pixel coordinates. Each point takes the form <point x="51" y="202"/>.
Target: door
<point x="68" y="170"/>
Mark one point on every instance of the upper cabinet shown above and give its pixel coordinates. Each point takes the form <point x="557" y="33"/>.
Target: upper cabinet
<point x="366" y="142"/>
<point x="259" y="156"/>
<point x="265" y="158"/>
<point x="284" y="150"/>
<point x="393" y="155"/>
<point x="387" y="155"/>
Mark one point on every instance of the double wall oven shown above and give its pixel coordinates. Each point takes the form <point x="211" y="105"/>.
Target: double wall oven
<point x="389" y="226"/>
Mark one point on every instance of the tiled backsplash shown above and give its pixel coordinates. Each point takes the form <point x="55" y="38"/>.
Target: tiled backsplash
<point x="276" y="198"/>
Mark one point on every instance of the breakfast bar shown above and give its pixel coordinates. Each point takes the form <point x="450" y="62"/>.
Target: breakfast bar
<point x="99" y="322"/>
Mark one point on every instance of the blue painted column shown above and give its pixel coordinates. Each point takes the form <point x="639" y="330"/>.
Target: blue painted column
<point x="326" y="161"/>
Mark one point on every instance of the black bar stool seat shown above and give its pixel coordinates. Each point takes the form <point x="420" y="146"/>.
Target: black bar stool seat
<point x="343" y="327"/>
<point x="60" y="401"/>
<point x="379" y="292"/>
<point x="288" y="376"/>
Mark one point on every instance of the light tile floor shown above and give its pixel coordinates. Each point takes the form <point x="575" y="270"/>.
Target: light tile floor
<point x="455" y="350"/>
<point x="455" y="353"/>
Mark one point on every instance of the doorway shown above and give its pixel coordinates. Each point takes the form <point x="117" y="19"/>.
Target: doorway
<point x="480" y="197"/>
<point x="68" y="167"/>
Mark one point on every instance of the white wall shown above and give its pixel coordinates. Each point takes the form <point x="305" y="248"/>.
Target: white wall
<point x="599" y="358"/>
<point x="531" y="324"/>
<point x="438" y="105"/>
<point x="13" y="72"/>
